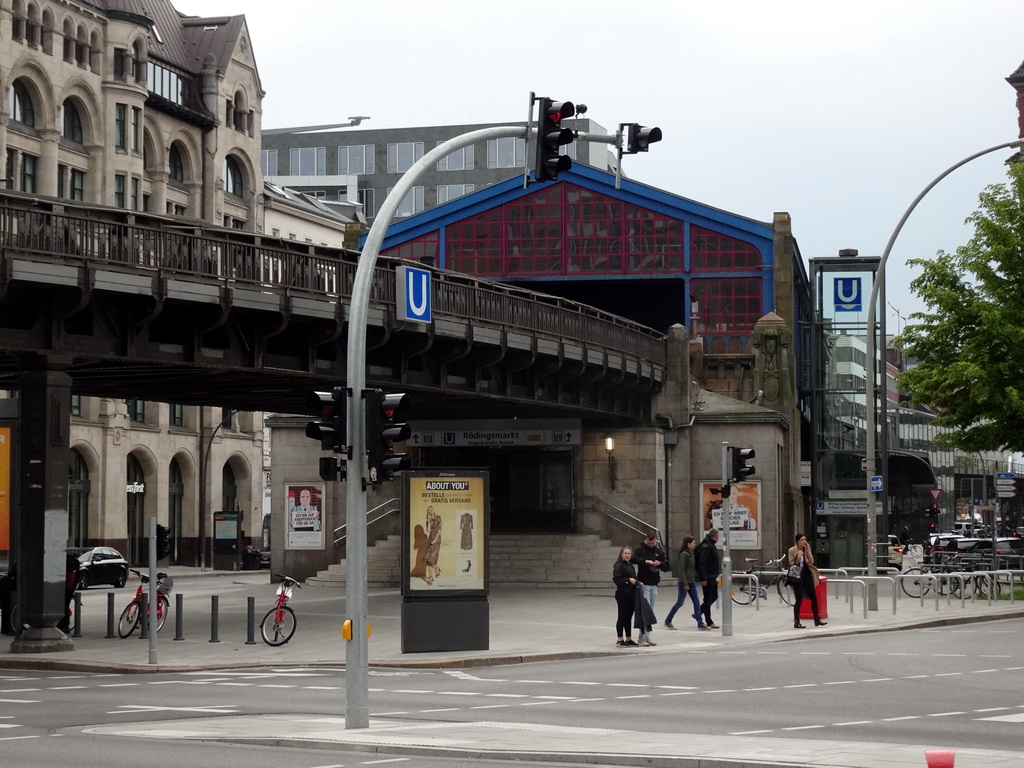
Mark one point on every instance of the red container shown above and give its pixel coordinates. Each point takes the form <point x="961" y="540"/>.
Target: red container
<point x="939" y="758"/>
<point x="822" y="592"/>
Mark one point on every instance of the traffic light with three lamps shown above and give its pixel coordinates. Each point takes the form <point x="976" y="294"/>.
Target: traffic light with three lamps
<point x="639" y="137"/>
<point x="551" y="136"/>
<point x="382" y="432"/>
<point x="738" y="458"/>
<point x="330" y="428"/>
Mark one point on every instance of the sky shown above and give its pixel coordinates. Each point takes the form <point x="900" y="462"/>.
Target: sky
<point x="839" y="114"/>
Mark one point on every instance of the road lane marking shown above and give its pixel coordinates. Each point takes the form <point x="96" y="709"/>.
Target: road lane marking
<point x="1015" y="718"/>
<point x="802" y="727"/>
<point x="905" y="717"/>
<point x="876" y="680"/>
<point x="490" y="706"/>
<point x="449" y="709"/>
<point x="945" y="714"/>
<point x="19" y="701"/>
<point x="748" y="733"/>
<point x="67" y="687"/>
<point x="855" y="722"/>
<point x="993" y="709"/>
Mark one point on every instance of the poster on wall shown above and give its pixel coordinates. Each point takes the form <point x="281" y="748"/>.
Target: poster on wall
<point x="5" y="489"/>
<point x="304" y="513"/>
<point x="744" y="513"/>
<point x="445" y="524"/>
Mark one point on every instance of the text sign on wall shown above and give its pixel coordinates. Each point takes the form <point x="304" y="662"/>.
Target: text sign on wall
<point x="496" y="433"/>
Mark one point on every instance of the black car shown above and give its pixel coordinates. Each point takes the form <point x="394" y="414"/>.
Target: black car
<point x="100" y="565"/>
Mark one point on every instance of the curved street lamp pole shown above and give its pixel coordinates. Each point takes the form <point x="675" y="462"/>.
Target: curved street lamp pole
<point x="870" y="354"/>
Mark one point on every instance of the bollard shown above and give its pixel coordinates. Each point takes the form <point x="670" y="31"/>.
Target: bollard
<point x="110" y="614"/>
<point x="77" y="615"/>
<point x="939" y="758"/>
<point x="179" y="622"/>
<point x="214" y="609"/>
<point x="144" y="615"/>
<point x="250" y="630"/>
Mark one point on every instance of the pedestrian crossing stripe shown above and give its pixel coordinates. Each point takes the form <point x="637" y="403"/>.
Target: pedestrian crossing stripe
<point x="1017" y="718"/>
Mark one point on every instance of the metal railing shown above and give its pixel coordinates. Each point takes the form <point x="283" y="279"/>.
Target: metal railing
<point x="80" y="233"/>
<point x="369" y="522"/>
<point x="641" y="527"/>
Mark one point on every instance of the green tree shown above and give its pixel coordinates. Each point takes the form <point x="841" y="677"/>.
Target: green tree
<point x="970" y="341"/>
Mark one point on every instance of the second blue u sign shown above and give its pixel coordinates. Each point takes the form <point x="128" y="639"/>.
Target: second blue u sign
<point x="412" y="294"/>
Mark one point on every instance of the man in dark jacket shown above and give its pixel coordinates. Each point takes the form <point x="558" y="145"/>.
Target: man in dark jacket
<point x="708" y="569"/>
<point x="650" y="560"/>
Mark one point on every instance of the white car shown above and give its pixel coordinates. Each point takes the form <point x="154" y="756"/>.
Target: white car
<point x="895" y="551"/>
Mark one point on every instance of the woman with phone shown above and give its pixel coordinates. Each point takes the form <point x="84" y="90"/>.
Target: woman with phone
<point x="800" y="555"/>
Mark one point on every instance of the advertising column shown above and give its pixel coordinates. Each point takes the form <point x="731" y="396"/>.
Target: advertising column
<point x="444" y="561"/>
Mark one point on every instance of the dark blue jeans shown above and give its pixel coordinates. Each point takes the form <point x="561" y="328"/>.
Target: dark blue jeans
<point x="684" y="590"/>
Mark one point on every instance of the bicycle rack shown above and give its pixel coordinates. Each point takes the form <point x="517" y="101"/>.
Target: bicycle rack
<point x="930" y="576"/>
<point x="863" y="593"/>
<point x="889" y="579"/>
<point x="757" y="587"/>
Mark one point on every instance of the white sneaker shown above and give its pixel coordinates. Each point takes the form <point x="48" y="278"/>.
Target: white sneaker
<point x="650" y="641"/>
<point x="643" y="640"/>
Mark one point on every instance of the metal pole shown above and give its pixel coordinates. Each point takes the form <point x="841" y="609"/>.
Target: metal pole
<point x="871" y="354"/>
<point x="150" y="615"/>
<point x="726" y="591"/>
<point x="357" y="698"/>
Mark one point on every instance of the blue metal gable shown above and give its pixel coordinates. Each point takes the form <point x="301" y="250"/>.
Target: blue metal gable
<point x="757" y="233"/>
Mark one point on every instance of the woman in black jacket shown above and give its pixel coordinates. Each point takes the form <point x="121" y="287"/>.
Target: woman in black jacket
<point x="624" y="576"/>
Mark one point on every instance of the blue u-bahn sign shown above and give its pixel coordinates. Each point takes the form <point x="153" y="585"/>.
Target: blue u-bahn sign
<point x="412" y="289"/>
<point x="848" y="294"/>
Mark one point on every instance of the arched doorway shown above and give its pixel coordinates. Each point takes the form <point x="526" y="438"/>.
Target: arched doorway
<point x="136" y="506"/>
<point x="78" y="501"/>
<point x="175" y="501"/>
<point x="229" y="490"/>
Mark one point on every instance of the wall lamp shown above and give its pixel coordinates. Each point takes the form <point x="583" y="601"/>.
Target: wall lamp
<point x="609" y="446"/>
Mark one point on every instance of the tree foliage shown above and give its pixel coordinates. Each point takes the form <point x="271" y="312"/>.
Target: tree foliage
<point x="969" y="343"/>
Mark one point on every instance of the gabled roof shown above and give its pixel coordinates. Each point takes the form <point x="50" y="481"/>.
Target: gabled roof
<point x="182" y="41"/>
<point x="602" y="182"/>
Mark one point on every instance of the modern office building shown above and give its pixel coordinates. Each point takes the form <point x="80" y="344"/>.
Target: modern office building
<point x="357" y="163"/>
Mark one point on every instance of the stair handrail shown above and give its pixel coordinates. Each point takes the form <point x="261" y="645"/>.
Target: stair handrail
<point x="369" y="522"/>
<point x="642" y="530"/>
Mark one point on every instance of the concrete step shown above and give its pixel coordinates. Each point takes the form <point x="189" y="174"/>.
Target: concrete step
<point x="542" y="560"/>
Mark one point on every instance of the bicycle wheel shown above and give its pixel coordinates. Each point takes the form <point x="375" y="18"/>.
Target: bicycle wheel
<point x="742" y="594"/>
<point x="965" y="585"/>
<point x="914" y="587"/>
<point x="278" y="632"/>
<point x="129" y="619"/>
<point x="785" y="593"/>
<point x="162" y="609"/>
<point x="981" y="585"/>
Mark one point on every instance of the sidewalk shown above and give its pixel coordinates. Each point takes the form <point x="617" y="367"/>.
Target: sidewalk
<point x="525" y="625"/>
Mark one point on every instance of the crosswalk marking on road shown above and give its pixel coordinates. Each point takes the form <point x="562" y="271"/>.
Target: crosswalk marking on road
<point x="1015" y="718"/>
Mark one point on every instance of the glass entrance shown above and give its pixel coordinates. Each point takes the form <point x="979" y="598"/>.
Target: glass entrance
<point x="136" y="508"/>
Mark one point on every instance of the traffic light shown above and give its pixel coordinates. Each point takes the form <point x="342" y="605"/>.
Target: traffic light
<point x="330" y="429"/>
<point x="382" y="431"/>
<point x="551" y="136"/>
<point x="163" y="546"/>
<point x="639" y="137"/>
<point x="738" y="458"/>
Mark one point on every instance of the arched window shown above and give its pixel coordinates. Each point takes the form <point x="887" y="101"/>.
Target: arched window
<point x="78" y="501"/>
<point x="177" y="164"/>
<point x="230" y="490"/>
<point x="175" y="503"/>
<point x="233" y="177"/>
<point x="20" y="102"/>
<point x="136" y="509"/>
<point x="71" y="122"/>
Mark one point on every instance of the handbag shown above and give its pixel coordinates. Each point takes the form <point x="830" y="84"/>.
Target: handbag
<point x="793" y="575"/>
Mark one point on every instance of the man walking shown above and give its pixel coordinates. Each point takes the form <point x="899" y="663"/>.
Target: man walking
<point x="708" y="569"/>
<point x="650" y="560"/>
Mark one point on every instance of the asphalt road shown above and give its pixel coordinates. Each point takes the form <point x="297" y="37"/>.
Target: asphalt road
<point x="957" y="687"/>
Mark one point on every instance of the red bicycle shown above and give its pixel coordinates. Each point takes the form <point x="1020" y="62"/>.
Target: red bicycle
<point x="133" y="611"/>
<point x="278" y="625"/>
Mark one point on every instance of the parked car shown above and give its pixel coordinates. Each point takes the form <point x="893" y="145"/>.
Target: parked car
<point x="895" y="551"/>
<point x="1004" y="546"/>
<point x="100" y="565"/>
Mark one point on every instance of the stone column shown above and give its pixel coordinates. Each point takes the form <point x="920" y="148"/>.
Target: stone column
<point x="46" y="175"/>
<point x="41" y="518"/>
